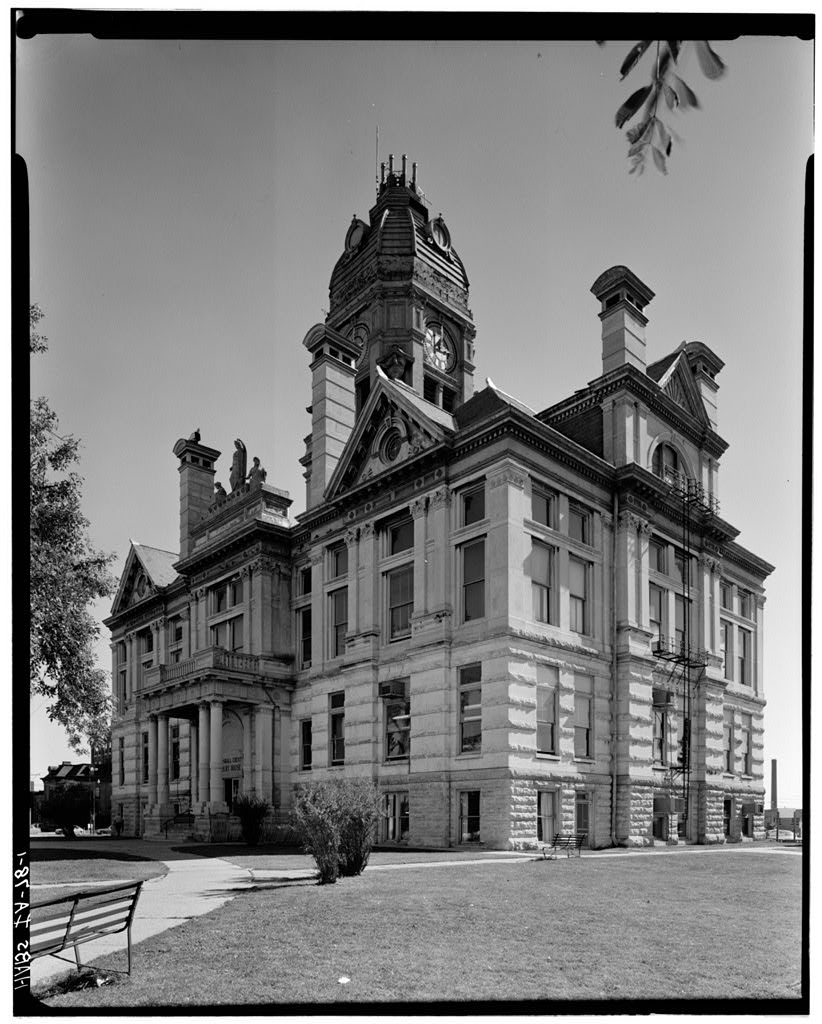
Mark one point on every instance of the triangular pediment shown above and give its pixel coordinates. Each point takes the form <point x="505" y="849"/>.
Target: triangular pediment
<point x="146" y="572"/>
<point x="394" y="427"/>
<point x="678" y="384"/>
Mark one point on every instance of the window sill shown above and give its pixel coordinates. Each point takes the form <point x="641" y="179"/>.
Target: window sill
<point x="544" y="756"/>
<point x="467" y="754"/>
<point x="585" y="760"/>
<point x="728" y="775"/>
<point x="658" y="766"/>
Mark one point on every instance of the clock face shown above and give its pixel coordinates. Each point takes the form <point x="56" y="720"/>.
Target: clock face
<point x="439" y="351"/>
<point x="354" y="235"/>
<point x="441" y="234"/>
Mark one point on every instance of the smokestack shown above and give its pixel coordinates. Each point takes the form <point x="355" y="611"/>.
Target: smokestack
<point x="414" y="173"/>
<point x="404" y="166"/>
<point x="774" y="804"/>
<point x="390" y="163"/>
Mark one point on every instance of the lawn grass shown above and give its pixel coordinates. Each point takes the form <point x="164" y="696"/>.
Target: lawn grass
<point x="78" y="866"/>
<point x="695" y="926"/>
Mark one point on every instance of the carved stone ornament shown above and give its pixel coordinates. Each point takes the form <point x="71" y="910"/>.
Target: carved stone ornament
<point x="440" y="498"/>
<point x="351" y="537"/>
<point x="607" y="520"/>
<point x="200" y="593"/>
<point x="418" y="507"/>
<point x="317" y="558"/>
<point x="184" y="614"/>
<point x="509" y="476"/>
<point x="630" y="521"/>
<point x="710" y="562"/>
<point x="367" y="530"/>
<point x="645" y="528"/>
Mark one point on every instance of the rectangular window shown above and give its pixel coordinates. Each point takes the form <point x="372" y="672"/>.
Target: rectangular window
<point x="305" y="581"/>
<point x="148" y="642"/>
<point x="747" y="745"/>
<point x="744" y="661"/>
<point x="470" y="817"/>
<point x="728" y="741"/>
<point x="658" y="555"/>
<point x="542" y="508"/>
<point x="725" y="648"/>
<point x="339" y="561"/>
<point x="655" y="598"/>
<point x="235" y="592"/>
<point x="145" y="756"/>
<point x="175" y="752"/>
<point x="660" y="726"/>
<point x="473" y="580"/>
<point x="473" y="505"/>
<point x="121" y="760"/>
<point x="745" y="604"/>
<point x="546" y="816"/>
<point x="725" y="596"/>
<point x="176" y="631"/>
<point x="546" y="719"/>
<point x="397" y="721"/>
<point x="339" y="621"/>
<point x="305" y="745"/>
<point x="121" y="676"/>
<point x="680" y="609"/>
<point x="401" y="537"/>
<point x="219" y="599"/>
<point x="121" y="652"/>
<point x="228" y="634"/>
<point x="470" y="709"/>
<point x="336" y="727"/>
<point x="396" y="817"/>
<point x="176" y="656"/>
<point x="679" y="566"/>
<point x="579" y="524"/>
<point x="583" y="698"/>
<point x="449" y="399"/>
<point x="429" y="390"/>
<point x="400" y="602"/>
<point x="541" y="570"/>
<point x="304" y="617"/>
<point x="578" y="590"/>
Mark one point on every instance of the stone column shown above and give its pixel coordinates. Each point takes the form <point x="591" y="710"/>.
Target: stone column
<point x="248" y="782"/>
<point x="152" y="759"/>
<point x="262" y="764"/>
<point x="643" y="613"/>
<point x="185" y="617"/>
<point x="204" y="759"/>
<point x="131" y="649"/>
<point x="119" y="696"/>
<point x="193" y="762"/>
<point x="758" y="667"/>
<point x="283" y="755"/>
<point x="439" y="505"/>
<point x="160" y="628"/>
<point x="708" y="622"/>
<point x="162" y="759"/>
<point x="604" y="538"/>
<point x="202" y="641"/>
<point x="505" y="543"/>
<point x="216" y="792"/>
<point x="626" y="568"/>
<point x="418" y="513"/>
<point x="252" y="578"/>
<point x="318" y="623"/>
<point x="351" y="539"/>
<point x="369" y="605"/>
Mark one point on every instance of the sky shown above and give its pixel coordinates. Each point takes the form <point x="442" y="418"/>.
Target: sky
<point x="189" y="199"/>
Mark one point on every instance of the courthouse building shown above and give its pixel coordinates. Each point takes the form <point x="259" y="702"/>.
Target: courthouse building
<point x="515" y="621"/>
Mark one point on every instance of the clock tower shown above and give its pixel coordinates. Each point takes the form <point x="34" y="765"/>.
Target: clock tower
<point x="399" y="296"/>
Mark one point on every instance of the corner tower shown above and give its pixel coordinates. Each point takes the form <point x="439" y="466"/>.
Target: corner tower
<point x="399" y="293"/>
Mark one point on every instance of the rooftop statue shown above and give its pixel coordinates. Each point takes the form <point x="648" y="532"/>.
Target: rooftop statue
<point x="237" y="478"/>
<point x="219" y="493"/>
<point x="257" y="475"/>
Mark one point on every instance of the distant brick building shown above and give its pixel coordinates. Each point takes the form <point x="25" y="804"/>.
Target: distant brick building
<point x="96" y="782"/>
<point x="517" y="622"/>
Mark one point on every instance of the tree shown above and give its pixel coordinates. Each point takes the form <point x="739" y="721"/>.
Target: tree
<point x="651" y="133"/>
<point x="66" y="575"/>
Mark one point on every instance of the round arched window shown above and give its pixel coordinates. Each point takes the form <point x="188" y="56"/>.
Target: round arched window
<point x="391" y="446"/>
<point x="665" y="462"/>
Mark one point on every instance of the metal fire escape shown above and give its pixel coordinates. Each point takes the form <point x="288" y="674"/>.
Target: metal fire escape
<point x="687" y="662"/>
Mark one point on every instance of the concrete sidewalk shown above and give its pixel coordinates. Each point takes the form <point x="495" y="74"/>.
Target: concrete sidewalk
<point x="191" y="888"/>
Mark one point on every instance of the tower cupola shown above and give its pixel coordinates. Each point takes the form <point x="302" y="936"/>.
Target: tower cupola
<point x="623" y="297"/>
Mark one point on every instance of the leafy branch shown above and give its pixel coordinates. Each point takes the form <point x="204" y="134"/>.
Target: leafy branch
<point x="651" y="133"/>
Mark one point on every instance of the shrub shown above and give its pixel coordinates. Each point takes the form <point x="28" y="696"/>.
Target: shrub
<point x="68" y="809"/>
<point x="336" y="820"/>
<point x="251" y="810"/>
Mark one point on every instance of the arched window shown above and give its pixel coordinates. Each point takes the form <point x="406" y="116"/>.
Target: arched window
<point x="665" y="462"/>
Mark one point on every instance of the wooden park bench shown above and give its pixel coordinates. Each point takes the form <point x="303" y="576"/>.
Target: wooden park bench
<point x="79" y="917"/>
<point x="567" y="841"/>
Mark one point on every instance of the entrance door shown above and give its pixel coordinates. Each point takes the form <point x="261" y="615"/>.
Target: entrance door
<point x="232" y="791"/>
<point x="583" y="816"/>
<point x="727" y="814"/>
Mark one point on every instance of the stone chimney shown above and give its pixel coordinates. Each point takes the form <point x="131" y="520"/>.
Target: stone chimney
<point x="196" y="485"/>
<point x="623" y="297"/>
<point x="332" y="406"/>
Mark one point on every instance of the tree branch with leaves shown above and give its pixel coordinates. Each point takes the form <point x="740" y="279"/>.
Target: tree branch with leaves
<point x="652" y="134"/>
<point x="66" y="575"/>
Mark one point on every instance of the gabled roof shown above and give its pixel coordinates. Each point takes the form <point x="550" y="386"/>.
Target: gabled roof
<point x="154" y="564"/>
<point x="392" y="410"/>
<point x="677" y="381"/>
